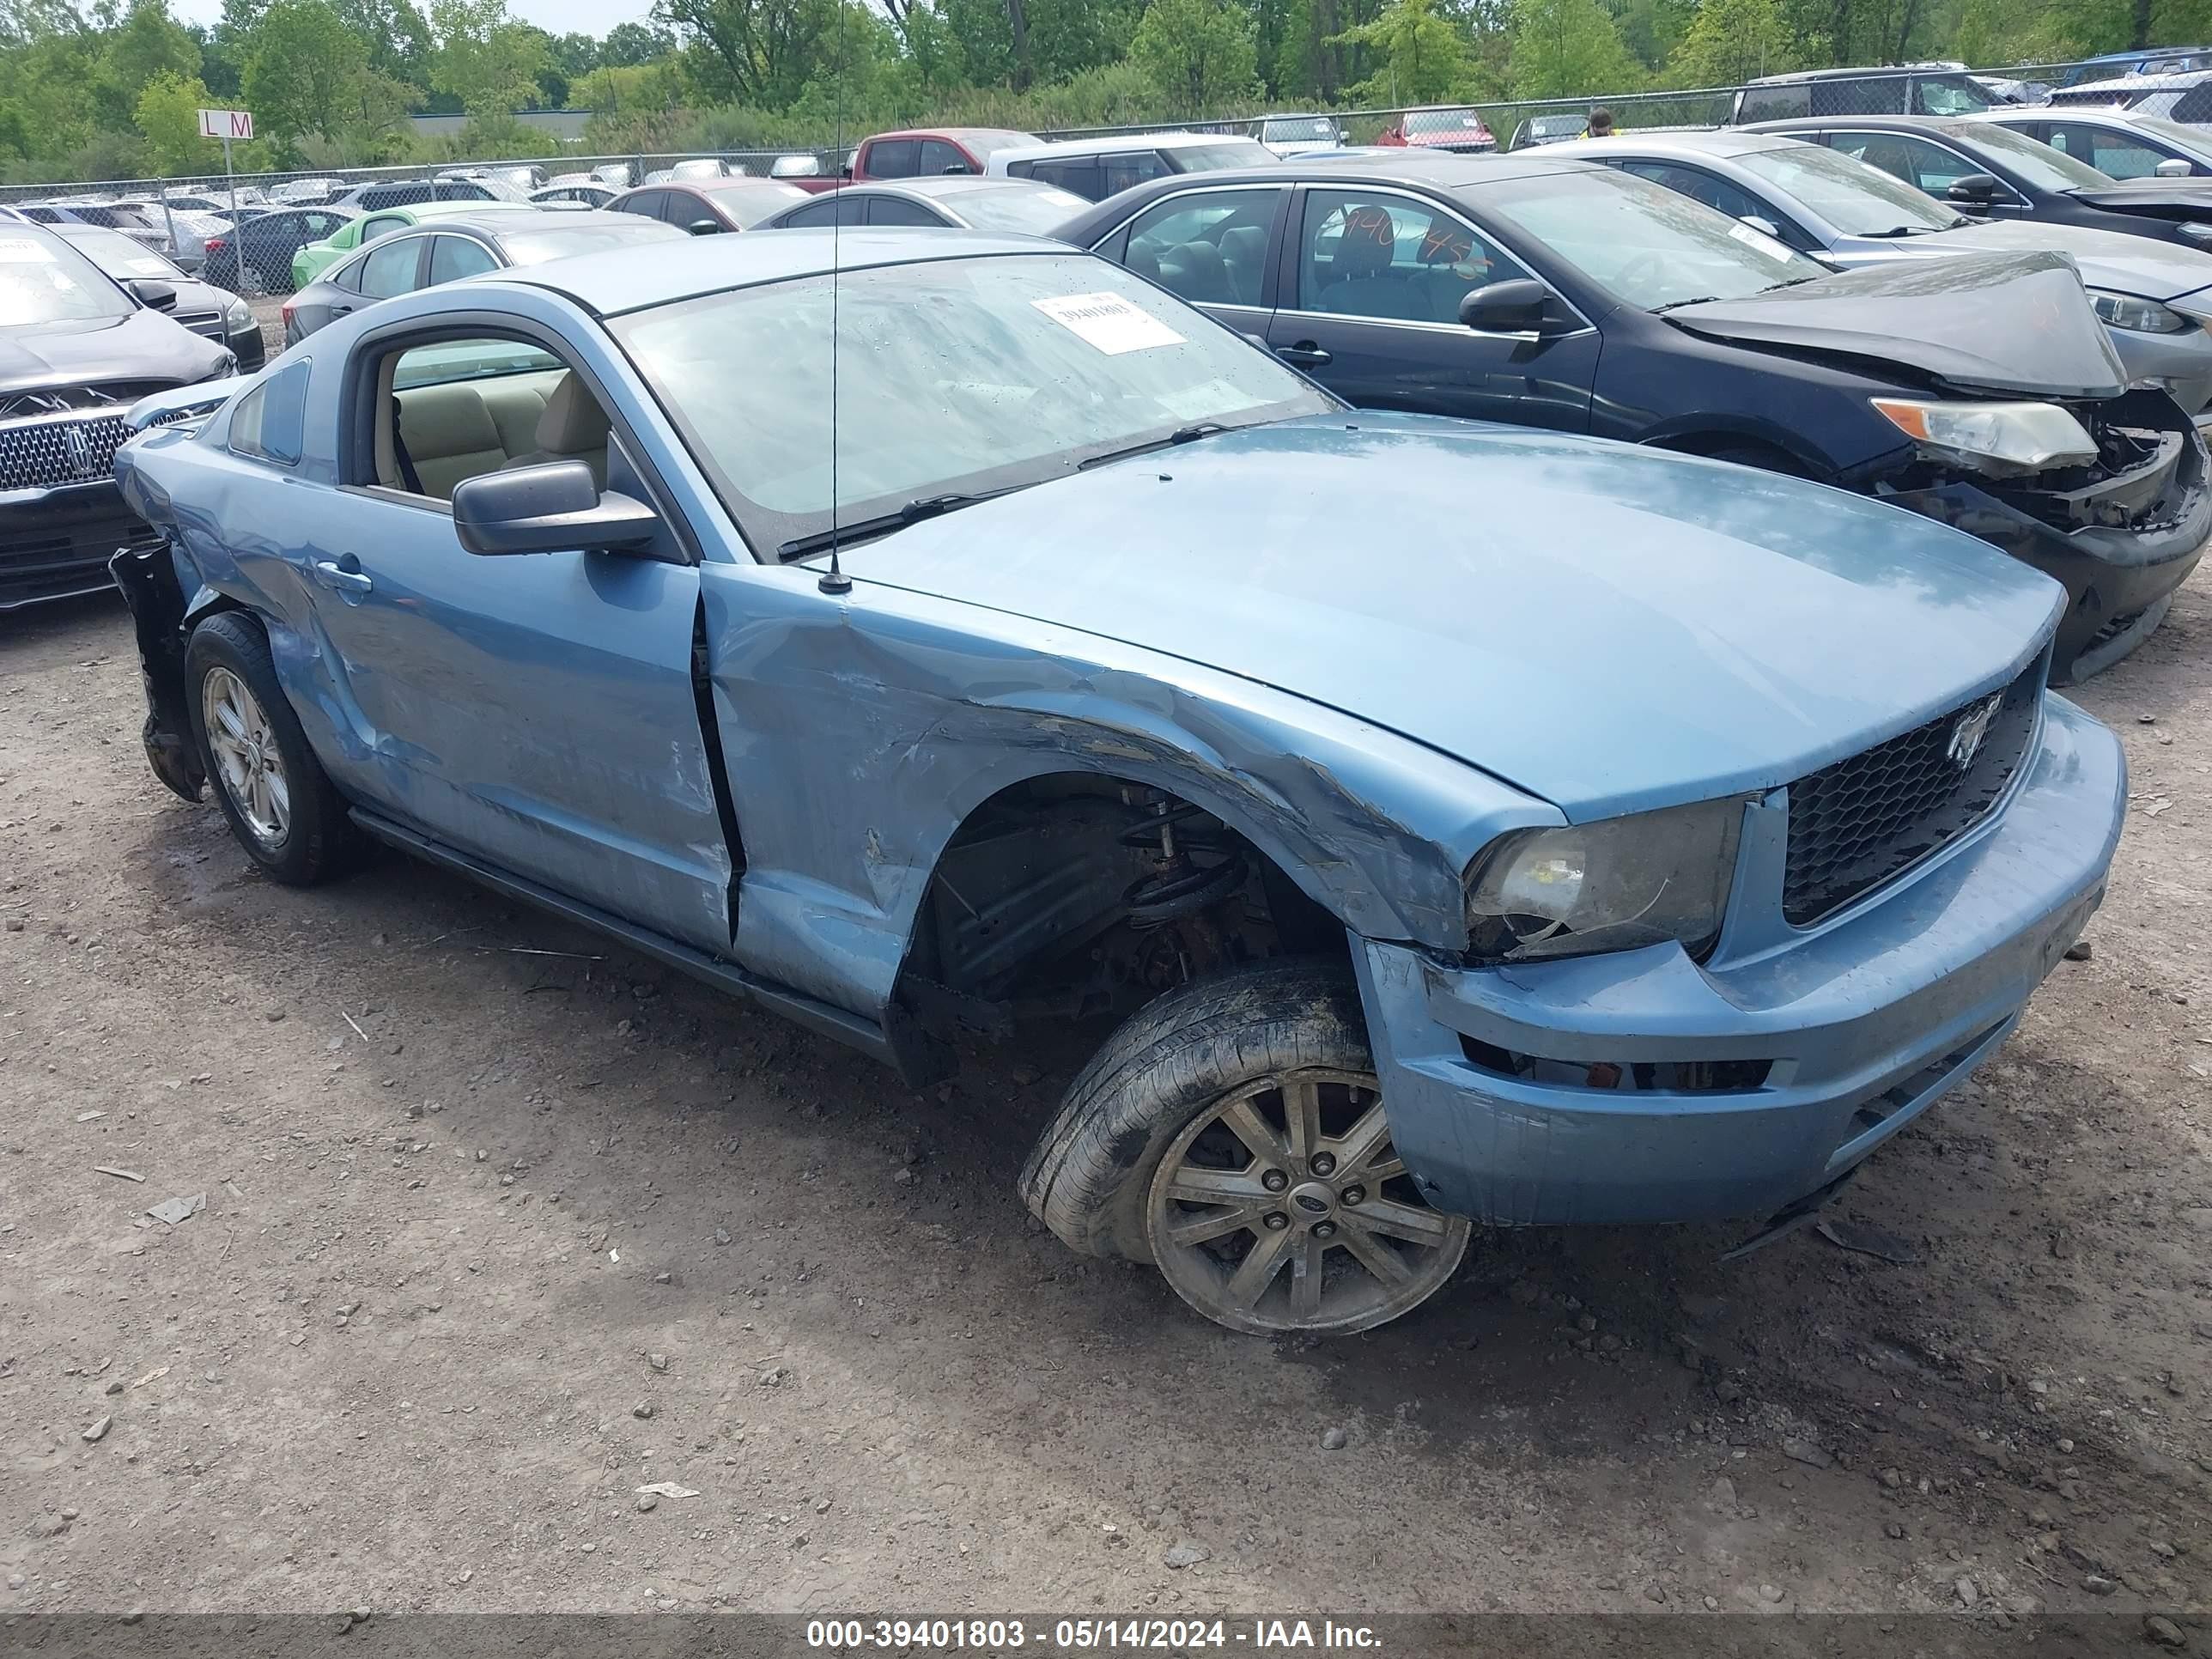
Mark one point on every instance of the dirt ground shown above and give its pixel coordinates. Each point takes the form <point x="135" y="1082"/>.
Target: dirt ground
<point x="502" y="1224"/>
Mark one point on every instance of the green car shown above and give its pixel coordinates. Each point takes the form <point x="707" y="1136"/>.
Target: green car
<point x="309" y="263"/>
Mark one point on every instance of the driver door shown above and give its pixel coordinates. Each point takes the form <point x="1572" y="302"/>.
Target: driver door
<point x="1370" y="307"/>
<point x="535" y="711"/>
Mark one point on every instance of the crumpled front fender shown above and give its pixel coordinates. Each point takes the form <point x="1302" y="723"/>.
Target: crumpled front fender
<point x="148" y="581"/>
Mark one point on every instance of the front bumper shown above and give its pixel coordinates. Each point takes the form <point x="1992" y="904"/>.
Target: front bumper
<point x="2118" y="580"/>
<point x="1855" y="1025"/>
<point x="56" y="543"/>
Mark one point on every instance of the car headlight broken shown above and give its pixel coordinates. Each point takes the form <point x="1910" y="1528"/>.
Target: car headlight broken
<point x="1998" y="439"/>
<point x="1612" y="885"/>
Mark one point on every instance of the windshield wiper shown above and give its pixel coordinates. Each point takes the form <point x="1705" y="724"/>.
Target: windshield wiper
<point x="1182" y="435"/>
<point x="1661" y="311"/>
<point x="926" y="506"/>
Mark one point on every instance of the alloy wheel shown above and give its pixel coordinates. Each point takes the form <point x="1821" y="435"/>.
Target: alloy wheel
<point x="247" y="763"/>
<point x="1284" y="1208"/>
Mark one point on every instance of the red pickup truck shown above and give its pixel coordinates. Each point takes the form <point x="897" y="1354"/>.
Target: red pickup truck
<point x="926" y="153"/>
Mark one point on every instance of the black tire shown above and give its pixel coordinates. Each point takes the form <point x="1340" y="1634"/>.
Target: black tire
<point x="1088" y="1176"/>
<point x="319" y="841"/>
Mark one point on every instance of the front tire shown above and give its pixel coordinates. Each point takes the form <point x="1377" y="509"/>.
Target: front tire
<point x="1233" y="1134"/>
<point x="282" y="806"/>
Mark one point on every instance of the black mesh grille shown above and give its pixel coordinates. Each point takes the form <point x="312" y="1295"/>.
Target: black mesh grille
<point x="1856" y="824"/>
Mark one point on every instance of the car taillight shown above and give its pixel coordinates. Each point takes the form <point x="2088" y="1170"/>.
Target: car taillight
<point x="284" y="313"/>
<point x="215" y="242"/>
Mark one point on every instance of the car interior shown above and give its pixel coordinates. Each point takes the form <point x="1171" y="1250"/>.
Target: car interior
<point x="1394" y="260"/>
<point x="1213" y="252"/>
<point x="455" y="411"/>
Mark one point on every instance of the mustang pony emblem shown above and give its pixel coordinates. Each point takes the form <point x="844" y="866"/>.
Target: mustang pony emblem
<point x="1971" y="728"/>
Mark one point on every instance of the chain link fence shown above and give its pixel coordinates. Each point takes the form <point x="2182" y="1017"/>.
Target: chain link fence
<point x="241" y="232"/>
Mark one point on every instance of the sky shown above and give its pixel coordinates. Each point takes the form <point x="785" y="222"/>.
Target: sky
<point x="555" y="16"/>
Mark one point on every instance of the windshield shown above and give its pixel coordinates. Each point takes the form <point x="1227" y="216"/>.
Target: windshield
<point x="1297" y="129"/>
<point x="121" y="258"/>
<point x="1440" y="120"/>
<point x="2192" y="141"/>
<point x="535" y="247"/>
<point x="1228" y="152"/>
<point x="749" y="203"/>
<point x="957" y="376"/>
<point x="1858" y="200"/>
<point x="43" y="280"/>
<point x="1644" y="243"/>
<point x="2039" y="164"/>
<point x="1948" y="95"/>
<point x="1030" y="209"/>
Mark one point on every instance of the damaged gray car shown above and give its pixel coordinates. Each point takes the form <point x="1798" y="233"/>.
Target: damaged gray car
<point x="969" y="634"/>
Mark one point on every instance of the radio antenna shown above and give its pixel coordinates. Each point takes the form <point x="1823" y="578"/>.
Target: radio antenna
<point x="834" y="580"/>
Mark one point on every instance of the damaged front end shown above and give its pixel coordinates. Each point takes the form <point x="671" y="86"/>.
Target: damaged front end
<point x="147" y="577"/>
<point x="2120" y="528"/>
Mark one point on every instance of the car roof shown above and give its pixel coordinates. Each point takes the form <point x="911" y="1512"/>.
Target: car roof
<point x="662" y="272"/>
<point x="1108" y="144"/>
<point x="1946" y="123"/>
<point x="1879" y="72"/>
<point x="962" y="134"/>
<point x="423" y="210"/>
<point x="1723" y="141"/>
<point x="951" y="184"/>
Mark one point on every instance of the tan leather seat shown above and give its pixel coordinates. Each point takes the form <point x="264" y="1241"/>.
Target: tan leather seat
<point x="572" y="428"/>
<point x="450" y="436"/>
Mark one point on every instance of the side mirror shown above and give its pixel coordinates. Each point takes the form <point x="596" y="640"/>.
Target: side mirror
<point x="1764" y="226"/>
<point x="704" y="226"/>
<point x="154" y="295"/>
<point x="1519" y="307"/>
<point x="845" y="170"/>
<point x="1979" y="188"/>
<point x="1258" y="341"/>
<point x="554" y="507"/>
<point x="2173" y="168"/>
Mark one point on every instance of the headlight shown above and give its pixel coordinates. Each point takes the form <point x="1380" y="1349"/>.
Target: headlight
<point x="238" y="317"/>
<point x="1611" y="885"/>
<point x="2140" y="316"/>
<point x="2018" y="437"/>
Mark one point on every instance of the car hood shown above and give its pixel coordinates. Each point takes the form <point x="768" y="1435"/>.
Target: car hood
<point x="2169" y="199"/>
<point x="2105" y="258"/>
<point x="142" y="345"/>
<point x="1604" y="626"/>
<point x="2013" y="323"/>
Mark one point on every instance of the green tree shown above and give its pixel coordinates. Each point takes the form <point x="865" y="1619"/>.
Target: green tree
<point x="1568" y="49"/>
<point x="629" y="44"/>
<point x="168" y="114"/>
<point x="1199" y="52"/>
<point x="148" y="42"/>
<point x="302" y="63"/>
<point x="1420" y="56"/>
<point x="484" y="58"/>
<point x="1732" y="40"/>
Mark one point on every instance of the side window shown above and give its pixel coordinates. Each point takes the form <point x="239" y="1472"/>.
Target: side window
<point x="456" y="409"/>
<point x="938" y="157"/>
<point x="895" y="210"/>
<point x="1701" y="186"/>
<point x="1210" y="247"/>
<point x="893" y="158"/>
<point x="2114" y="153"/>
<point x="1080" y="176"/>
<point x="1877" y="95"/>
<point x="822" y="213"/>
<point x="376" y="227"/>
<point x="269" y="420"/>
<point x="2192" y="107"/>
<point x="1391" y="258"/>
<point x="452" y="258"/>
<point x="1773" y="104"/>
<point x="646" y="203"/>
<point x="1121" y="173"/>
<point x="390" y="268"/>
<point x="1920" y="164"/>
<point x="1021" y="169"/>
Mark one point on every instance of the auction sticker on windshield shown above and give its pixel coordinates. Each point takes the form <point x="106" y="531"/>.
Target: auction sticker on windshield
<point x="1760" y="242"/>
<point x="22" y="250"/>
<point x="1108" y="322"/>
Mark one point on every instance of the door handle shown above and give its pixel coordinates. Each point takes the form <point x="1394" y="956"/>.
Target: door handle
<point x="339" y="580"/>
<point x="1304" y="355"/>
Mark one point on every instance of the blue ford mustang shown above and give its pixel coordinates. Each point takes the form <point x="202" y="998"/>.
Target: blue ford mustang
<point x="1437" y="823"/>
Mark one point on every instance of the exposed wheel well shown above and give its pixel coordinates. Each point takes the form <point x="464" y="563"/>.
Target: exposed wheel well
<point x="1073" y="893"/>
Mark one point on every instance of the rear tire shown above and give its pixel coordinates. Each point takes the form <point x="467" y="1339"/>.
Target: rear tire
<point x="282" y="806"/>
<point x="1232" y="1133"/>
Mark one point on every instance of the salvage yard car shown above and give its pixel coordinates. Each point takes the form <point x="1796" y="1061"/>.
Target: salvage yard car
<point x="77" y="349"/>
<point x="1565" y="858"/>
<point x="1551" y="292"/>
